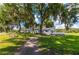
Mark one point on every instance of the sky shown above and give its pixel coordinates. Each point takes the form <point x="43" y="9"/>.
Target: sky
<point x="61" y="26"/>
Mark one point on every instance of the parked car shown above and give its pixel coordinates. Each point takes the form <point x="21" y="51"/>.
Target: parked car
<point x="47" y="31"/>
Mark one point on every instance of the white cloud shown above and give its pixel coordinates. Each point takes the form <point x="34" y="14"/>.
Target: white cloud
<point x="60" y="26"/>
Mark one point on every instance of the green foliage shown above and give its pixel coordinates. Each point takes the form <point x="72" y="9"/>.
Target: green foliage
<point x="11" y="42"/>
<point x="68" y="16"/>
<point x="16" y="13"/>
<point x="60" y="45"/>
<point x="48" y="23"/>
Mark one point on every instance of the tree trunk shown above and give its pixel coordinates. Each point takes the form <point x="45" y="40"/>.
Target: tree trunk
<point x="19" y="27"/>
<point x="41" y="26"/>
<point x="66" y="27"/>
<point x="53" y="25"/>
<point x="33" y="28"/>
<point x="4" y="30"/>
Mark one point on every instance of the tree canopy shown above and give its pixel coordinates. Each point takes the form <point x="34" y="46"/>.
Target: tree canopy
<point x="13" y="14"/>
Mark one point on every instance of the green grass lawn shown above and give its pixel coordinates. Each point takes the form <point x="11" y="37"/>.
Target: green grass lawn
<point x="10" y="42"/>
<point x="68" y="44"/>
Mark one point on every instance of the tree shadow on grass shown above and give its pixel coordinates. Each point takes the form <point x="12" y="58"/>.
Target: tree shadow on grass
<point x="60" y="45"/>
<point x="71" y="45"/>
<point x="18" y="42"/>
<point x="55" y="45"/>
<point x="8" y="50"/>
